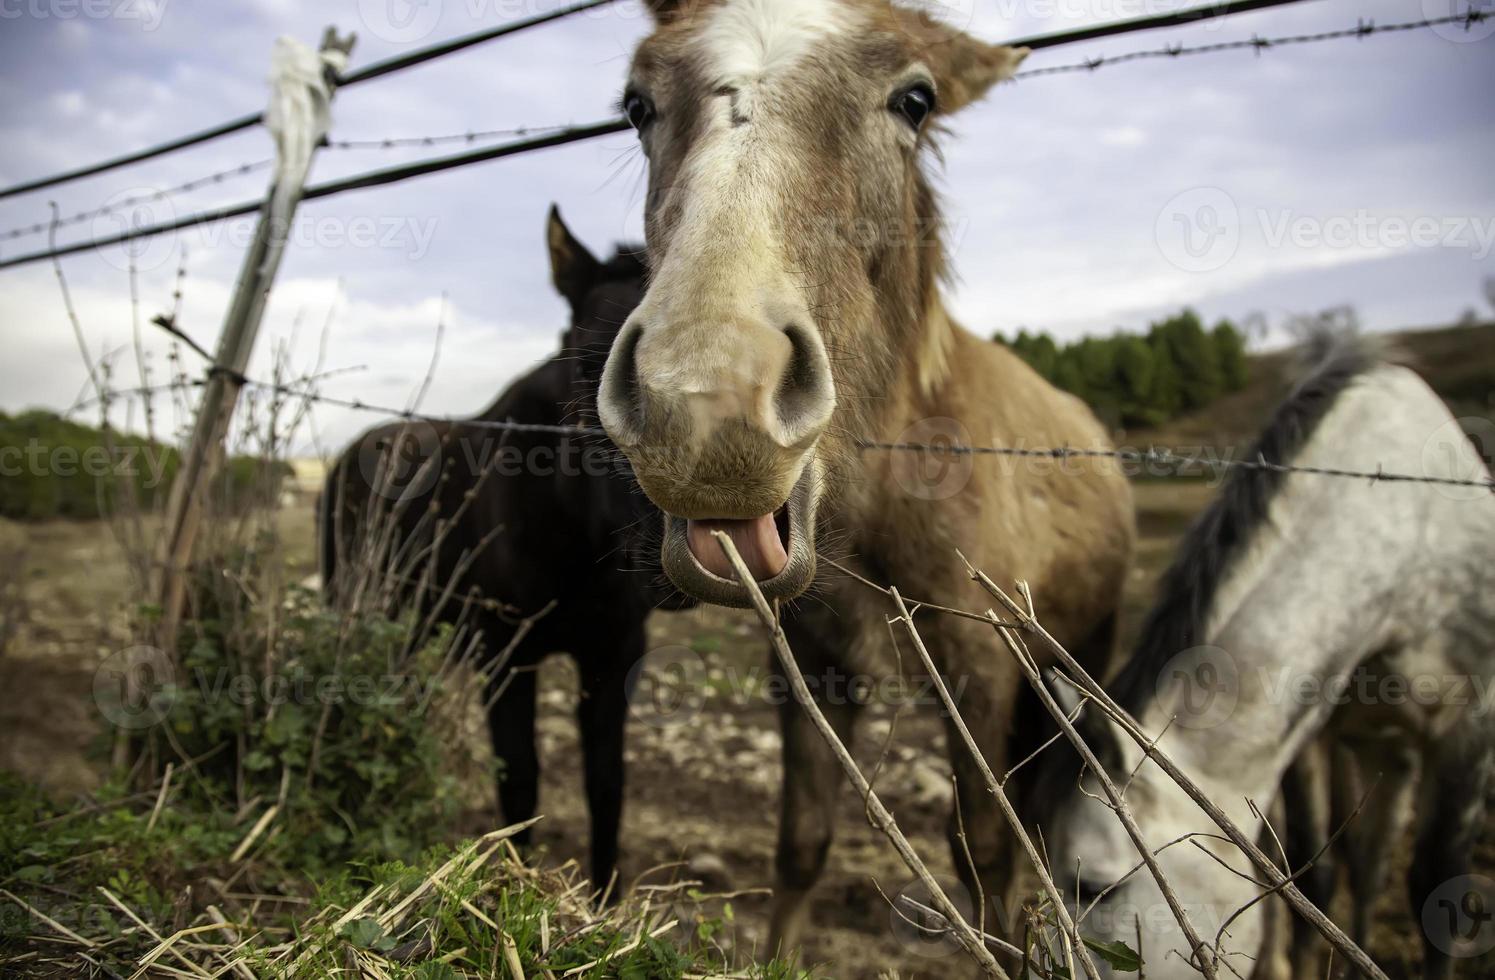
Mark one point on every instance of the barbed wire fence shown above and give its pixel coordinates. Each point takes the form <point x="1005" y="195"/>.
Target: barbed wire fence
<point x="1164" y="458"/>
<point x="225" y="375"/>
<point x="1022" y="626"/>
<point x="533" y="138"/>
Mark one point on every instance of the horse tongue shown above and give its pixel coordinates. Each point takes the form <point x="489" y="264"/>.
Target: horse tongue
<point x="756" y="540"/>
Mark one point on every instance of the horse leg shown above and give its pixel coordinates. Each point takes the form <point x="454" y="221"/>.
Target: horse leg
<point x="1451" y="817"/>
<point x="812" y="780"/>
<point x="1390" y="766"/>
<point x="1272" y="957"/>
<point x="601" y="715"/>
<point x="1306" y="831"/>
<point x="511" y="726"/>
<point x="981" y="840"/>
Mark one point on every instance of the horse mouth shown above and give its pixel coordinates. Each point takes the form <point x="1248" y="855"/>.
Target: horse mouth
<point x="778" y="549"/>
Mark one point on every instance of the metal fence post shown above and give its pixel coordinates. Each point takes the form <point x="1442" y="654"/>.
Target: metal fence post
<point x="296" y="145"/>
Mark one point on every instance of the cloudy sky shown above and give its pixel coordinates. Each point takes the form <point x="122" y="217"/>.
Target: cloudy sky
<point x="1352" y="171"/>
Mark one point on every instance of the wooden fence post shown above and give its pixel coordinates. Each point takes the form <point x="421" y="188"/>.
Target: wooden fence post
<point x="298" y="117"/>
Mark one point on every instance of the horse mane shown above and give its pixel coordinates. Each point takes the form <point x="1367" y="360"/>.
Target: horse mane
<point x="1220" y="536"/>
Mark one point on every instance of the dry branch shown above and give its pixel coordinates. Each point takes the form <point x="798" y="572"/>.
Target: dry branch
<point x="1076" y="946"/>
<point x="1274" y="876"/>
<point x="1198" y="955"/>
<point x="882" y="819"/>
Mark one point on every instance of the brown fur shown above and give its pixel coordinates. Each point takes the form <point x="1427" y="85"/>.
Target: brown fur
<point x="854" y="202"/>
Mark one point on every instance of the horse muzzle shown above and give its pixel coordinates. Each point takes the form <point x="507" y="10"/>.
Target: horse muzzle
<point x="778" y="549"/>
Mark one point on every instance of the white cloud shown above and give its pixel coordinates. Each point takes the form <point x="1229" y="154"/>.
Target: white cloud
<point x="69" y="105"/>
<point x="1123" y="136"/>
<point x="1053" y="186"/>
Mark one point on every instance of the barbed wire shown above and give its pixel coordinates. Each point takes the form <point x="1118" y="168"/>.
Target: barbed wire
<point x="369" y="72"/>
<point x="136" y="200"/>
<point x="355" y="404"/>
<point x="539" y="137"/>
<point x="1153" y="456"/>
<point x="1176" y="18"/>
<point x="373" y="178"/>
<point x="1168" y="457"/>
<point x="472" y="136"/>
<point x="218" y="177"/>
<point x="1363" y="28"/>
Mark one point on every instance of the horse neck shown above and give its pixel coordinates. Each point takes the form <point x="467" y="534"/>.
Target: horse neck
<point x="1288" y="624"/>
<point x="921" y="370"/>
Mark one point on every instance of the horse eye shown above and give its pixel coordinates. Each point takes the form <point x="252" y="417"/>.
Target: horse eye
<point x="640" y="111"/>
<point x="914" y="104"/>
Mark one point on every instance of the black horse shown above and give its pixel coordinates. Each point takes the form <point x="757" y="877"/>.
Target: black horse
<point x="529" y="521"/>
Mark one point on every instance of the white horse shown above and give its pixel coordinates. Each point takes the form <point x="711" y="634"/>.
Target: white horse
<point x="1303" y="606"/>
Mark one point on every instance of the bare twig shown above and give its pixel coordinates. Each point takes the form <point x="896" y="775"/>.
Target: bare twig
<point x="964" y="934"/>
<point x="1117" y="803"/>
<point x="1061" y="912"/>
<point x="1321" y="922"/>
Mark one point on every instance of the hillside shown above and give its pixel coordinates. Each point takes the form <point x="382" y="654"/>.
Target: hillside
<point x="54" y="467"/>
<point x="1459" y="363"/>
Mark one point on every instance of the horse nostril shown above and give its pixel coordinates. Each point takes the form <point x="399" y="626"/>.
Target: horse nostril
<point x="620" y="396"/>
<point x="805" y="396"/>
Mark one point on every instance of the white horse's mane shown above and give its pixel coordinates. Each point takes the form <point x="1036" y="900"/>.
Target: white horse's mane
<point x="1220" y="536"/>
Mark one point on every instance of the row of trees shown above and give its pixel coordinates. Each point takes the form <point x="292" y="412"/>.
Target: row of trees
<point x="1137" y="380"/>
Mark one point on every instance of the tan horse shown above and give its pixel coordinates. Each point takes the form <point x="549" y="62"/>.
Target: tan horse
<point x="794" y="312"/>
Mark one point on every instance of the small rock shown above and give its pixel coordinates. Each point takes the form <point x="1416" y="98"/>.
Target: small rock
<point x="711" y="871"/>
<point x="932" y="786"/>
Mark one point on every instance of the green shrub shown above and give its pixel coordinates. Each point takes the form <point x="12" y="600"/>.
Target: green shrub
<point x="334" y="718"/>
<point x="52" y="467"/>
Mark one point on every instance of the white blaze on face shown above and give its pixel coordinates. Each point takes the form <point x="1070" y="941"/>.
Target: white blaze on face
<point x="726" y="264"/>
<point x="748" y="41"/>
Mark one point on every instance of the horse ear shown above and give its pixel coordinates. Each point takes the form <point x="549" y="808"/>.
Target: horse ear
<point x="572" y="268"/>
<point x="964" y="67"/>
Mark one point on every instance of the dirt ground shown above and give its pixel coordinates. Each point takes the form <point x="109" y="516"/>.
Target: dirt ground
<point x="704" y="792"/>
